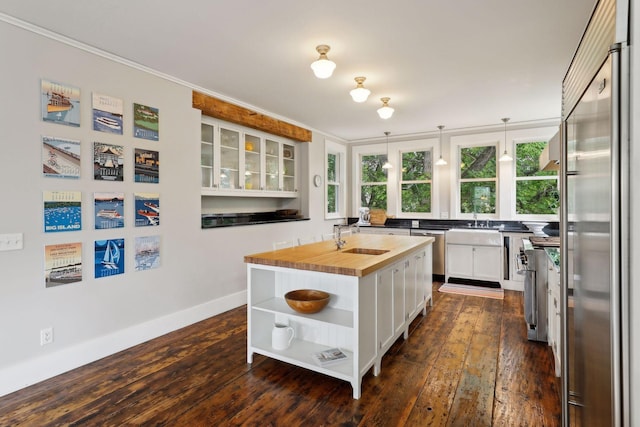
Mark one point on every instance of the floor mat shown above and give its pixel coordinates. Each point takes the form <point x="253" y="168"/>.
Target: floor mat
<point x="470" y="290"/>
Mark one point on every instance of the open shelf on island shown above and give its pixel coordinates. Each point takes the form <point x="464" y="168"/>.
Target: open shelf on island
<point x="300" y="354"/>
<point x="335" y="316"/>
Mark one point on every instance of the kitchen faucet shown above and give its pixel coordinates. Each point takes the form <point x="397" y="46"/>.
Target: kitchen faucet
<point x="337" y="230"/>
<point x="475" y="220"/>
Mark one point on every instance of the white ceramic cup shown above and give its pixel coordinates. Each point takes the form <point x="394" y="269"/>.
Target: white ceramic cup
<point x="281" y="336"/>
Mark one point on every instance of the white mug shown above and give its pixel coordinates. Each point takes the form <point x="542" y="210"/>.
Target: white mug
<point x="281" y="336"/>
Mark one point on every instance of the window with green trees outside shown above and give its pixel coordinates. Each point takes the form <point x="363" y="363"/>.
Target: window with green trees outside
<point x="536" y="190"/>
<point x="373" y="181"/>
<point x="333" y="184"/>
<point x="415" y="182"/>
<point x="477" y="178"/>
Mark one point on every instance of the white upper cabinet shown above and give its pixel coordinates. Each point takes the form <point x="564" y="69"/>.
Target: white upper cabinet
<point x="240" y="162"/>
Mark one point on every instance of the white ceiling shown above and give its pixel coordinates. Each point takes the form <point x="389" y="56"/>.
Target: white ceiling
<point x="459" y="63"/>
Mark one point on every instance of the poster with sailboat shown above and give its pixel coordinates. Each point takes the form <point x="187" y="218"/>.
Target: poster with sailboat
<point x="107" y="113"/>
<point x="108" y="257"/>
<point x="147" y="252"/>
<point x="108" y="161"/>
<point x="145" y="122"/>
<point x="147" y="209"/>
<point x="60" y="103"/>
<point x="63" y="264"/>
<point x="109" y="210"/>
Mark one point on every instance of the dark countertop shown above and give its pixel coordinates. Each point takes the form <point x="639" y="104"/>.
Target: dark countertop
<point x="448" y="224"/>
<point x="238" y="219"/>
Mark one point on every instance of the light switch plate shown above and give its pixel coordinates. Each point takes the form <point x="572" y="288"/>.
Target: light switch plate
<point x="415" y="224"/>
<point x="10" y="242"/>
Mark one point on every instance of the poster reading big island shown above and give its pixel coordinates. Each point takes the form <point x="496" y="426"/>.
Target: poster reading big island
<point x="107" y="113"/>
<point x="62" y="264"/>
<point x="62" y="211"/>
<point x="145" y="122"/>
<point x="60" y="103"/>
<point x="108" y="257"/>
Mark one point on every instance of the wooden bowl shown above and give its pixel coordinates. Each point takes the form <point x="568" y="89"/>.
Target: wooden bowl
<point x="307" y="301"/>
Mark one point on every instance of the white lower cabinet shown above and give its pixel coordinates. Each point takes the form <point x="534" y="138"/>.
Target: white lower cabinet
<point x="474" y="262"/>
<point x="364" y="317"/>
<point x="553" y="315"/>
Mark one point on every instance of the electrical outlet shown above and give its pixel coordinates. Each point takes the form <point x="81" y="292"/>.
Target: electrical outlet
<point x="46" y="336"/>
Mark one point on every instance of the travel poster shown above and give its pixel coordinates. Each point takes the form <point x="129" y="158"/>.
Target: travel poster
<point x="147" y="209"/>
<point x="62" y="264"/>
<point x="60" y="103"/>
<point x="147" y="166"/>
<point x="147" y="254"/>
<point x="108" y="257"/>
<point x="108" y="162"/>
<point x="62" y="211"/>
<point x="109" y="210"/>
<point x="107" y="113"/>
<point x="60" y="157"/>
<point x="145" y="122"/>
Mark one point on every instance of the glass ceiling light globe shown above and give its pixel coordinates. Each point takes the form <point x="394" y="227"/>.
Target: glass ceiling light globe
<point x="323" y="67"/>
<point x="360" y="93"/>
<point x="385" y="111"/>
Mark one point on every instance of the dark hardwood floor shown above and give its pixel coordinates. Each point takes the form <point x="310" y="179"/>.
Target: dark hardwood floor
<point x="467" y="363"/>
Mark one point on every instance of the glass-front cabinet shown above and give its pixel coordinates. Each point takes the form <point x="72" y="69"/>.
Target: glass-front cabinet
<point x="244" y="162"/>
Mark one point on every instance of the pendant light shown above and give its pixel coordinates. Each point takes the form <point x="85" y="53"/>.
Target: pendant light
<point x="387" y="164"/>
<point x="323" y="67"/>
<point x="505" y="156"/>
<point x="360" y="93"/>
<point x="441" y="161"/>
<point x="385" y="111"/>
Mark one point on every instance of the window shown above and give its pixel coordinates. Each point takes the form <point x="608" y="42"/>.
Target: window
<point x="373" y="181"/>
<point x="536" y="190"/>
<point x="415" y="183"/>
<point x="335" y="192"/>
<point x="477" y="179"/>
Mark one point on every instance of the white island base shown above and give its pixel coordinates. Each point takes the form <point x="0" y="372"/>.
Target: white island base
<point x="364" y="317"/>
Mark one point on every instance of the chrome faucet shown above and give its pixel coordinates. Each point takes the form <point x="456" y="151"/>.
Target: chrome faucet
<point x="337" y="236"/>
<point x="475" y="220"/>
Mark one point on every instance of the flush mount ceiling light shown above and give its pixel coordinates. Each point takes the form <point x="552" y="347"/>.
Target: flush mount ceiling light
<point x="505" y="156"/>
<point x="387" y="164"/>
<point x="323" y="67"/>
<point x="360" y="93"/>
<point x="385" y="111"/>
<point x="441" y="161"/>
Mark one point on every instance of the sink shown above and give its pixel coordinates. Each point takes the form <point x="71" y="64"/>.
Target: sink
<point x="365" y="251"/>
<point x="474" y="236"/>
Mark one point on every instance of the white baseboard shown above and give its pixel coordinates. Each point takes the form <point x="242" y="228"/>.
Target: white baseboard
<point x="513" y="285"/>
<point x="32" y="371"/>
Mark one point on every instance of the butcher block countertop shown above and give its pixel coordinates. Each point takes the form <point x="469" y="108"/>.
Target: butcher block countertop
<point x="324" y="257"/>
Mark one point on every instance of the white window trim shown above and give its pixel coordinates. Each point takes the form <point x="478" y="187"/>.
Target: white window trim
<point x="340" y="150"/>
<point x="393" y="182"/>
<point x="515" y="179"/>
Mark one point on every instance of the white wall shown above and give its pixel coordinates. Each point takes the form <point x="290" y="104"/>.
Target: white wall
<point x="202" y="271"/>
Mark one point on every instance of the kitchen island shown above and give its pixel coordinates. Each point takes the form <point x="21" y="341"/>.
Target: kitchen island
<point x="378" y="285"/>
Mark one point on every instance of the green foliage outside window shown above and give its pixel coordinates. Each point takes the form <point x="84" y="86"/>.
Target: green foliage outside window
<point x="535" y="194"/>
<point x="416" y="181"/>
<point x="478" y="172"/>
<point x="373" y="191"/>
<point x="332" y="188"/>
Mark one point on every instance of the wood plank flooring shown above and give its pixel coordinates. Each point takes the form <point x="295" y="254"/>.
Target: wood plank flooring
<point x="467" y="363"/>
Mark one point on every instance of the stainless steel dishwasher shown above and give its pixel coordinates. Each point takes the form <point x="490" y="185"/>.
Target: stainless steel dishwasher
<point x="438" y="250"/>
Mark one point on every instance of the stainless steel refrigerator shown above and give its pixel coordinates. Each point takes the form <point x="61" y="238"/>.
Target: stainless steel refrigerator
<point x="593" y="219"/>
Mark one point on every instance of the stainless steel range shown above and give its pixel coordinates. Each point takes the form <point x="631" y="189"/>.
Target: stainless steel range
<point x="532" y="263"/>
